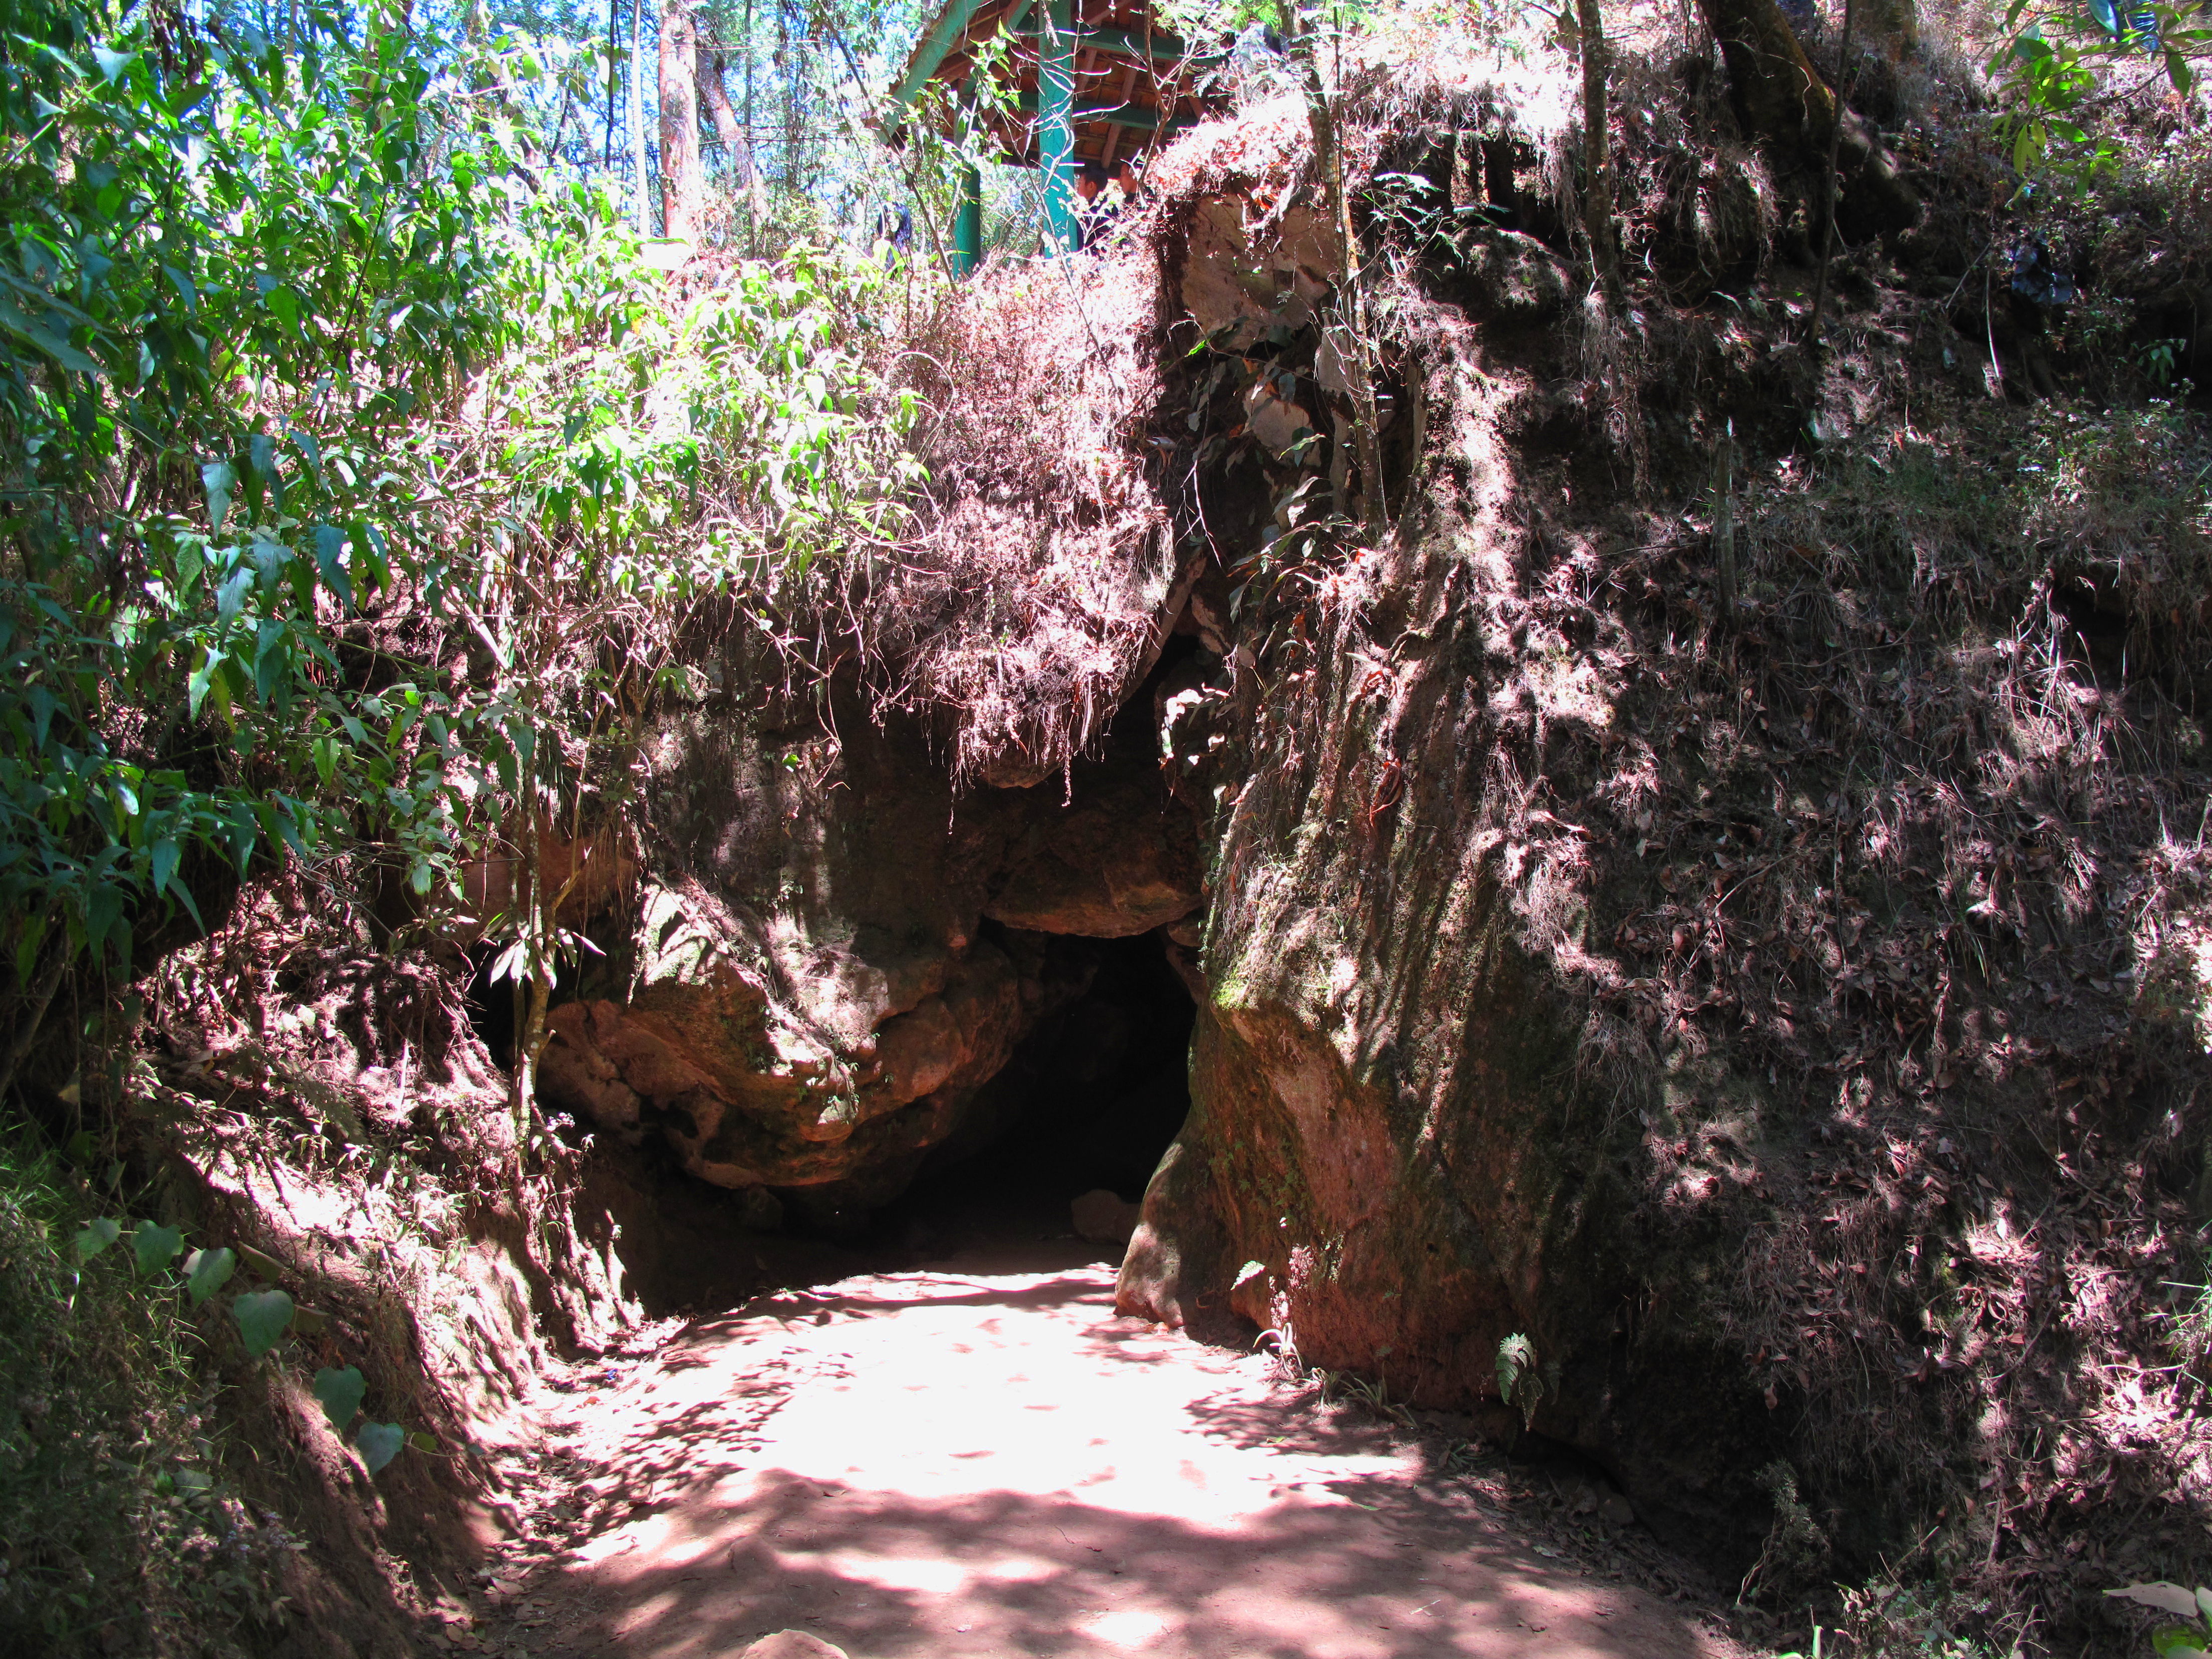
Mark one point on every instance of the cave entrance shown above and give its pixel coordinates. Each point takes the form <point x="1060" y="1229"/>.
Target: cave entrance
<point x="1089" y="1102"/>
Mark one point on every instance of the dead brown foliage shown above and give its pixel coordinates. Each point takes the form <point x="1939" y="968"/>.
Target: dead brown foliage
<point x="1025" y="605"/>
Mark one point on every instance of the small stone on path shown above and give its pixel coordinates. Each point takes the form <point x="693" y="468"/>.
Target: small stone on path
<point x="792" y="1644"/>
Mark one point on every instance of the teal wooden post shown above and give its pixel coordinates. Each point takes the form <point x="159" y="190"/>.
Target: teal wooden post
<point x="968" y="222"/>
<point x="1055" y="122"/>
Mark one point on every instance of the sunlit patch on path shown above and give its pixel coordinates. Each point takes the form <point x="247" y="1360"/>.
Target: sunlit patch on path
<point x="991" y="1463"/>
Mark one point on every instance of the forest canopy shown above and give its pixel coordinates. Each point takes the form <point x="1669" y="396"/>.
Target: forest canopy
<point x="314" y="371"/>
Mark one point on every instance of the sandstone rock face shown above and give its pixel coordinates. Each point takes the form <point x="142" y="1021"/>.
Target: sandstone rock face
<point x="1175" y="1271"/>
<point x="827" y="959"/>
<point x="1119" y="861"/>
<point x="1390" y="1155"/>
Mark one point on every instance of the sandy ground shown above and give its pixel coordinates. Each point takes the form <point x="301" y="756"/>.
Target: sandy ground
<point x="983" y="1460"/>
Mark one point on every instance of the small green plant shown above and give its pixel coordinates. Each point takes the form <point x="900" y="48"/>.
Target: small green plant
<point x="2188" y="1324"/>
<point x="263" y="1318"/>
<point x="1795" y="1547"/>
<point x="120" y="1534"/>
<point x="1891" y="1619"/>
<point x="2192" y="1607"/>
<point x="1517" y="1375"/>
<point x="2158" y="359"/>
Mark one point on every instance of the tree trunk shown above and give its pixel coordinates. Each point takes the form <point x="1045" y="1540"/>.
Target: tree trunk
<point x="1348" y="332"/>
<point x="614" y="79"/>
<point x="1597" y="150"/>
<point x="1783" y="102"/>
<point x="1779" y="96"/>
<point x="1828" y="189"/>
<point x="38" y="997"/>
<point x="724" y="116"/>
<point x="680" y="189"/>
<point x="1893" y="26"/>
<point x="641" y="205"/>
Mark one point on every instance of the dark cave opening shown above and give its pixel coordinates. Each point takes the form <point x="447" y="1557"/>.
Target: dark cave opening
<point x="1089" y="1102"/>
<point x="491" y="1004"/>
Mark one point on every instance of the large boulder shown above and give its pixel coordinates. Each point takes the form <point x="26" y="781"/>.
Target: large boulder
<point x="1122" y="860"/>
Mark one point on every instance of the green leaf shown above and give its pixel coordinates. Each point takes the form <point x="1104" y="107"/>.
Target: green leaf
<point x="162" y="865"/>
<point x="2178" y="70"/>
<point x="154" y="1248"/>
<point x="378" y="1443"/>
<point x="27" y="959"/>
<point x="207" y="1272"/>
<point x="230" y="598"/>
<point x="2177" y="1638"/>
<point x="341" y="1394"/>
<point x="112" y="65"/>
<point x="96" y="1236"/>
<point x="329" y="542"/>
<point x="218" y="479"/>
<point x="46" y="333"/>
<point x="43" y="704"/>
<point x="272" y="657"/>
<point x="103" y="910"/>
<point x="196" y="689"/>
<point x="262" y="1316"/>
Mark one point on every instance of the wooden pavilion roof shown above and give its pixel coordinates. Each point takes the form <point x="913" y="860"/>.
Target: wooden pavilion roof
<point x="1134" y="83"/>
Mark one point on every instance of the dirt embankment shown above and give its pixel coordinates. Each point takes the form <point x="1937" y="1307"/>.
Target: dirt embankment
<point x="1711" y="890"/>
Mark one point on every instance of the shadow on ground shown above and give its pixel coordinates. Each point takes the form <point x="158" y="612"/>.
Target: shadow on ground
<point x="974" y="1461"/>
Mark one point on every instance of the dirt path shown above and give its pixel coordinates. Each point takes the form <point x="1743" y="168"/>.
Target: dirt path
<point x="978" y="1460"/>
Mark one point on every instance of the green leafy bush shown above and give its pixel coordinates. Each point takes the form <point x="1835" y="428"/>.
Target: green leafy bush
<point x="117" y="1532"/>
<point x="231" y="274"/>
<point x="304" y="381"/>
<point x="2050" y="74"/>
<point x="2190" y="1609"/>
